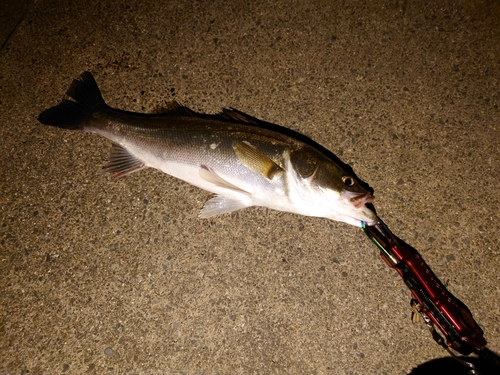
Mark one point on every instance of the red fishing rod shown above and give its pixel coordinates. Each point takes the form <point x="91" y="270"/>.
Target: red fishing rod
<point x="449" y="320"/>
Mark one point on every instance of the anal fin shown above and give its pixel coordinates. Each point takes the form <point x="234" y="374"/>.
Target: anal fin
<point x="221" y="205"/>
<point x="121" y="162"/>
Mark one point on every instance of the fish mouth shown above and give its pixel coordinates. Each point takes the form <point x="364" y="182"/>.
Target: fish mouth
<point x="359" y="200"/>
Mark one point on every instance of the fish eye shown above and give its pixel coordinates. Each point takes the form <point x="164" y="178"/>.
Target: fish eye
<point x="348" y="181"/>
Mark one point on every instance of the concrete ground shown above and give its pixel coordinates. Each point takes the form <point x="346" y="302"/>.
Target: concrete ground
<point x="104" y="276"/>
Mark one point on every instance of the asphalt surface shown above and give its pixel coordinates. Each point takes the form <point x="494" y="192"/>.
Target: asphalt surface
<point x="105" y="276"/>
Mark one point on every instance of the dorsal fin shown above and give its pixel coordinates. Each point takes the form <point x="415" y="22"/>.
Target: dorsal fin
<point x="232" y="115"/>
<point x="173" y="108"/>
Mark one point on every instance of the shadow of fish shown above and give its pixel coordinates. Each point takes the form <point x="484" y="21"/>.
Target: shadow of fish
<point x="229" y="154"/>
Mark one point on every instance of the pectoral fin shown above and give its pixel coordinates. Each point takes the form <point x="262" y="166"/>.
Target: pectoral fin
<point x="221" y="205"/>
<point x="255" y="160"/>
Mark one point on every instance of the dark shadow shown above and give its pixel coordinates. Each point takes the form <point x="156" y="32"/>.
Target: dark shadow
<point x="449" y="365"/>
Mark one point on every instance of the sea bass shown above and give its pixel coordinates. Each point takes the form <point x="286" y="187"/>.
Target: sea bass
<point x="230" y="154"/>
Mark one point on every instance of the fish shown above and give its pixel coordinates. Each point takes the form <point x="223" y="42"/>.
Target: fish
<point x="231" y="155"/>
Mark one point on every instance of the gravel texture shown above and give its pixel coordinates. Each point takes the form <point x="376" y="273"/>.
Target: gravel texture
<point x="105" y="276"/>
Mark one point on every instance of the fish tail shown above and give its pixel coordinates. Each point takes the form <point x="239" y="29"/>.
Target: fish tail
<point x="71" y="114"/>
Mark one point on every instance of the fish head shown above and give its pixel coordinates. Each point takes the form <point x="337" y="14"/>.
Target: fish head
<point x="346" y="196"/>
<point x="332" y="192"/>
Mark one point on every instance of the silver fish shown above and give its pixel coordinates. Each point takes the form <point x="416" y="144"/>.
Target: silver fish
<point x="230" y="154"/>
